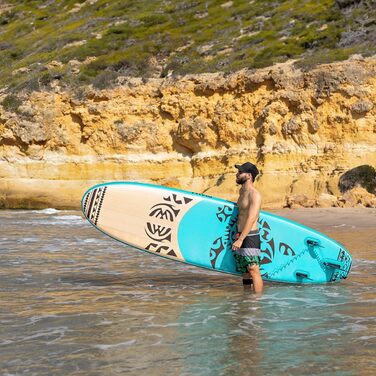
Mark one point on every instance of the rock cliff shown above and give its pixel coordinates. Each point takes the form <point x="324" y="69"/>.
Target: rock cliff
<point x="304" y="130"/>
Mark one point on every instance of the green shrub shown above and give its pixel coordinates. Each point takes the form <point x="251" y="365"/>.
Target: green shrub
<point x="11" y="103"/>
<point x="124" y="36"/>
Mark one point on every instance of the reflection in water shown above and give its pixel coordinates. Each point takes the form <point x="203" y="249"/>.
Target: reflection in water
<point x="296" y="330"/>
<point x="75" y="302"/>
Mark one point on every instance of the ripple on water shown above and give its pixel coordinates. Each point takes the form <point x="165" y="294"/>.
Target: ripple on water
<point x="115" y="345"/>
<point x="87" y="303"/>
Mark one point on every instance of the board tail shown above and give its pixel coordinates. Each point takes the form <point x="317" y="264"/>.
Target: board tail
<point x="92" y="203"/>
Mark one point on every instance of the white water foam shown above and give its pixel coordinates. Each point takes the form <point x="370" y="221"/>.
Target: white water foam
<point x="48" y="211"/>
<point x="116" y="345"/>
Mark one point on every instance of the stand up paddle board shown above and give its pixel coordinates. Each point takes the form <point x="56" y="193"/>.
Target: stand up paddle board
<point x="199" y="230"/>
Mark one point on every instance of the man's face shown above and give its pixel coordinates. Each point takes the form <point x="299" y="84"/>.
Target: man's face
<point x="241" y="177"/>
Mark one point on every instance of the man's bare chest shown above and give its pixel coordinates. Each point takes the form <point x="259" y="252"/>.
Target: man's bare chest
<point x="244" y="201"/>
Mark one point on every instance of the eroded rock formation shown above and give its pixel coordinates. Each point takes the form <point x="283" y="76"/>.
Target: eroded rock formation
<point x="303" y="129"/>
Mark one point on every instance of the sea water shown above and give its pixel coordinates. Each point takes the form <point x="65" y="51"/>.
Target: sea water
<point x="75" y="302"/>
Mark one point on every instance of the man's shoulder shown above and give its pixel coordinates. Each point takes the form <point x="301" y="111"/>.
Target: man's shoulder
<point x="255" y="197"/>
<point x="254" y="193"/>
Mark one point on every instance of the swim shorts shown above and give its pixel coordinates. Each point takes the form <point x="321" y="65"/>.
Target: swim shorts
<point x="249" y="252"/>
<point x="242" y="262"/>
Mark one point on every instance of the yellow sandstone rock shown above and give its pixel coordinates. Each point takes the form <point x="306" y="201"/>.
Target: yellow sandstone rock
<point x="303" y="130"/>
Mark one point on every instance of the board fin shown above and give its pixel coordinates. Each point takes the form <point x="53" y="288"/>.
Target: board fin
<point x="331" y="263"/>
<point x="302" y="274"/>
<point x="312" y="242"/>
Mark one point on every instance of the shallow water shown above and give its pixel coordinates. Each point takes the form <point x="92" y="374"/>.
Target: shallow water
<point x="74" y="302"/>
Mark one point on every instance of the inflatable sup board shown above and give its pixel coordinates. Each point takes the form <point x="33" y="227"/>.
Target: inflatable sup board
<point x="199" y="230"/>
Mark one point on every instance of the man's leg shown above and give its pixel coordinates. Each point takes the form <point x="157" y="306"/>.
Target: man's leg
<point x="246" y="280"/>
<point x="254" y="272"/>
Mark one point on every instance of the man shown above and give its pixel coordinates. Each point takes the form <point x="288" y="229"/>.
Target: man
<point x="247" y="244"/>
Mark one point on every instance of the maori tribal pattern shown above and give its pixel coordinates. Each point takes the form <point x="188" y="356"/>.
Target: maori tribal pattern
<point x="267" y="242"/>
<point x="217" y="247"/>
<point x="160" y="235"/>
<point x="224" y="214"/>
<point x="93" y="204"/>
<point x="286" y="250"/>
<point x="268" y="245"/>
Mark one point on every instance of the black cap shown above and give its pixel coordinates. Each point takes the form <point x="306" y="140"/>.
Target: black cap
<point x="249" y="168"/>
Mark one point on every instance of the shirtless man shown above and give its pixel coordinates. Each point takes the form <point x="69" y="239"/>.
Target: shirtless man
<point x="247" y="244"/>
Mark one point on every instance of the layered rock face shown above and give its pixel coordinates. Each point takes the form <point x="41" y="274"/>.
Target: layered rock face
<point x="302" y="129"/>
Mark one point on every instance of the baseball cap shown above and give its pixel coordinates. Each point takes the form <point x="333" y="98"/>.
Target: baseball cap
<point x="249" y="168"/>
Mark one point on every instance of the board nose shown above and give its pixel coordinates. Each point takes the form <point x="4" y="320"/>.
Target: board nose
<point x="92" y="202"/>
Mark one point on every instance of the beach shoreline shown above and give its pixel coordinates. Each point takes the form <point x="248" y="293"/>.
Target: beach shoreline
<point x="362" y="216"/>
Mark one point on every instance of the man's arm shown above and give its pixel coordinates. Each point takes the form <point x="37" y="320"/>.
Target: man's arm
<point x="252" y="215"/>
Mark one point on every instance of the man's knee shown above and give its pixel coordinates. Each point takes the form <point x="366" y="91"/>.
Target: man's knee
<point x="253" y="269"/>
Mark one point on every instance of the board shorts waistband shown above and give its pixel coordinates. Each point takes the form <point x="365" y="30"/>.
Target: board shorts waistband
<point x="250" y="245"/>
<point x="251" y="233"/>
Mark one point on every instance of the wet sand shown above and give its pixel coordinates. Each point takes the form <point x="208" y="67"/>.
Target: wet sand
<point x="331" y="217"/>
<point x="353" y="227"/>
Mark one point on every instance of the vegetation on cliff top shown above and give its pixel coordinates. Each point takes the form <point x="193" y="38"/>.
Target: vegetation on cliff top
<point x="73" y="42"/>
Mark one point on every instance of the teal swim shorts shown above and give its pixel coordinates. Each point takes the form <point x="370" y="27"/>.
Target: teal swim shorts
<point x="243" y="261"/>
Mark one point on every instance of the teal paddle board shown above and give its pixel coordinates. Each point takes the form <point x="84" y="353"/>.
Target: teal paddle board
<point x="199" y="230"/>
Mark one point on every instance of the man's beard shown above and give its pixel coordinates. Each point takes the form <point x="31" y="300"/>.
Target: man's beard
<point x="241" y="181"/>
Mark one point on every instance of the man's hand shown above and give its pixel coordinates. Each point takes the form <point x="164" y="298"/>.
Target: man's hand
<point x="237" y="244"/>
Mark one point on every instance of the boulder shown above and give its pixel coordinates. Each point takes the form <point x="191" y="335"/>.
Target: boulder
<point x="358" y="197"/>
<point x="326" y="200"/>
<point x="300" y="201"/>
